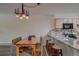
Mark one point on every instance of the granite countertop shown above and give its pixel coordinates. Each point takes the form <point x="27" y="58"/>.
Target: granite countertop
<point x="65" y="40"/>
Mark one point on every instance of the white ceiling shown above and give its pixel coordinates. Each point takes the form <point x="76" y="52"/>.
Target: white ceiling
<point x="42" y="9"/>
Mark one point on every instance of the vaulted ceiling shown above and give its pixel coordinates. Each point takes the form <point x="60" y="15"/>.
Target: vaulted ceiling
<point x="42" y="9"/>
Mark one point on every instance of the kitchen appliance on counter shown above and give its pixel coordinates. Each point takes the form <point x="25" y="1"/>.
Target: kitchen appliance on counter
<point x="67" y="25"/>
<point x="69" y="34"/>
<point x="72" y="36"/>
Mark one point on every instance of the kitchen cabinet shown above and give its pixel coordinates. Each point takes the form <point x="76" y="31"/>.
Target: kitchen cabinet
<point x="77" y="21"/>
<point x="59" y="23"/>
<point x="68" y="20"/>
<point x="74" y="23"/>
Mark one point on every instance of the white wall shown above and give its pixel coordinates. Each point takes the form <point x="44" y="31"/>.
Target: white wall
<point x="10" y="27"/>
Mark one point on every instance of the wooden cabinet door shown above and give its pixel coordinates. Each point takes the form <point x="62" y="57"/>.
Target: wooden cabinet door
<point x="74" y="23"/>
<point x="68" y="20"/>
<point x="59" y="23"/>
<point x="77" y="21"/>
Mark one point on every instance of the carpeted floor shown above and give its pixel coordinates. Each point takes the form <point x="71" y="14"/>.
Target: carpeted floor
<point x="5" y="50"/>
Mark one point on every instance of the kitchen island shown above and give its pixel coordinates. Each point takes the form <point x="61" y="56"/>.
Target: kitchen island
<point x="69" y="46"/>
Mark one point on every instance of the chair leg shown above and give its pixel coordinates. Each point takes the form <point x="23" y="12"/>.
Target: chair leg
<point x="21" y="51"/>
<point x="61" y="52"/>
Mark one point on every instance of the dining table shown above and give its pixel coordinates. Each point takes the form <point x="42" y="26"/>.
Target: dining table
<point x="26" y="43"/>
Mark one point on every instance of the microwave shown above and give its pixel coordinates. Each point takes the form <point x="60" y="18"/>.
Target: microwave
<point x="67" y="25"/>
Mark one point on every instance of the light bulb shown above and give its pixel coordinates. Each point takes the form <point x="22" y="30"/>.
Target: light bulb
<point x="21" y="18"/>
<point x="23" y="15"/>
<point x="27" y="17"/>
<point x="17" y="15"/>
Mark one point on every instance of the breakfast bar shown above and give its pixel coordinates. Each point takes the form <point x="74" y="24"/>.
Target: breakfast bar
<point x="70" y="46"/>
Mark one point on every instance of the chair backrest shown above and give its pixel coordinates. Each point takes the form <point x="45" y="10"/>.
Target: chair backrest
<point x="14" y="41"/>
<point x="56" y="52"/>
<point x="49" y="44"/>
<point x="41" y="44"/>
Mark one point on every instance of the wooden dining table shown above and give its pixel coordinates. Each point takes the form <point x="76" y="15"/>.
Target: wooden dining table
<point x="26" y="43"/>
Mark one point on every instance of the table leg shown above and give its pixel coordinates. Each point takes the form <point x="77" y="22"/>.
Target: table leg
<point x="17" y="50"/>
<point x="34" y="50"/>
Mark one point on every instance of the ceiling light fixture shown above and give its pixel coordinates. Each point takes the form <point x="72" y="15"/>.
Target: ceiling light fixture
<point x="24" y="14"/>
<point x="31" y="5"/>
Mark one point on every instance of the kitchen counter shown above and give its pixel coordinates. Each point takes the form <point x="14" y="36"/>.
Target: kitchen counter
<point x="65" y="42"/>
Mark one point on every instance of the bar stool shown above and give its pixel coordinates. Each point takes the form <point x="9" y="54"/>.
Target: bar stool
<point x="56" y="50"/>
<point x="49" y="44"/>
<point x="13" y="46"/>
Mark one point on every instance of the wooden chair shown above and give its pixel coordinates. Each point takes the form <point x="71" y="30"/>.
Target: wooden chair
<point x="39" y="47"/>
<point x="49" y="44"/>
<point x="55" y="51"/>
<point x="13" y="47"/>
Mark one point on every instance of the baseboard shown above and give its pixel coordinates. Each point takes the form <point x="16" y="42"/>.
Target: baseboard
<point x="5" y="43"/>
